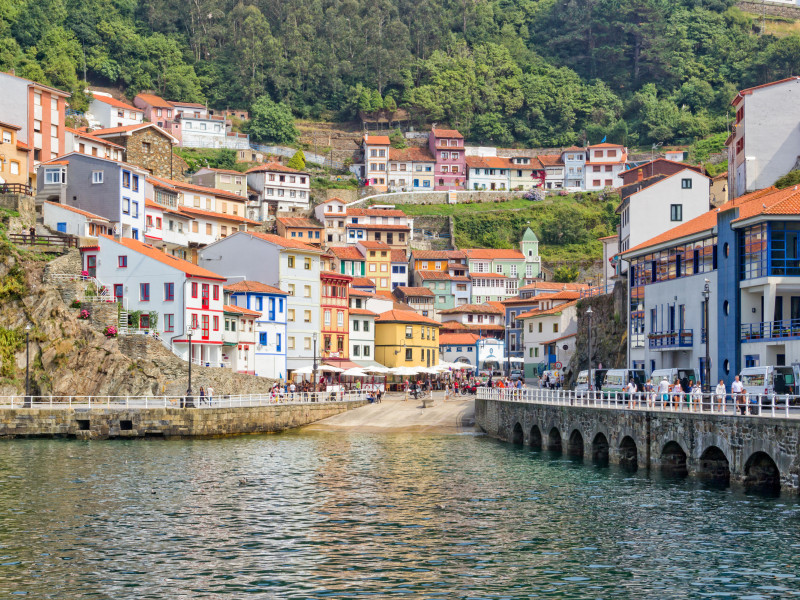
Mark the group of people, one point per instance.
(672, 395)
(551, 381)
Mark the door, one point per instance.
(117, 292)
(416, 183)
(61, 227)
(204, 295)
(205, 327)
(91, 266)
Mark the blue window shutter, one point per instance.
(61, 227)
(262, 339)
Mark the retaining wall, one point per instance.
(105, 423)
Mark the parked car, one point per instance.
(771, 382)
(617, 379)
(687, 377)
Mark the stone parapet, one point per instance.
(107, 423)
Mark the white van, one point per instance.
(769, 381)
(582, 382)
(687, 377)
(616, 380)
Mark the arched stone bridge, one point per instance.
(756, 452)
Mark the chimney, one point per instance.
(639, 175)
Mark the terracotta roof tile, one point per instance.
(189, 210)
(162, 257)
(413, 291)
(335, 275)
(153, 100)
(346, 253)
(551, 160)
(404, 316)
(375, 212)
(553, 286)
(376, 140)
(446, 133)
(474, 309)
(493, 254)
(238, 310)
(489, 162)
(371, 245)
(92, 137)
(437, 254)
(116, 103)
(362, 282)
(254, 286)
(299, 222)
(399, 256)
(85, 213)
(201, 189)
(113, 131)
(488, 276)
(458, 339)
(543, 312)
(435, 275)
(412, 154)
(282, 241)
(362, 311)
(274, 166)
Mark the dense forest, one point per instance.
(538, 72)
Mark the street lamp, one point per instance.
(707, 366)
(508, 349)
(27, 402)
(189, 401)
(314, 367)
(589, 346)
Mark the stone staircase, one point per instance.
(122, 323)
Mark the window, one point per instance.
(307, 264)
(355, 324)
(122, 261)
(169, 292)
(194, 289)
(686, 184)
(291, 289)
(409, 332)
(126, 179)
(340, 318)
(135, 185)
(291, 343)
(290, 314)
(169, 323)
(356, 350)
(409, 355)
(144, 292)
(291, 261)
(146, 147)
(135, 209)
(366, 327)
(307, 291)
(126, 206)
(307, 316)
(555, 327)
(676, 212)
(262, 338)
(97, 177)
(327, 318)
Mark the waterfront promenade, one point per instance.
(759, 450)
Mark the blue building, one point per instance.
(270, 351)
(748, 253)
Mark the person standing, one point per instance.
(292, 390)
(202, 396)
(210, 393)
(720, 392)
(663, 391)
(737, 390)
(631, 389)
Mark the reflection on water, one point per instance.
(321, 515)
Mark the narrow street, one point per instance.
(396, 414)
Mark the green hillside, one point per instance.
(535, 72)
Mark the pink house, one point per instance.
(161, 112)
(447, 146)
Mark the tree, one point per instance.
(565, 274)
(790, 179)
(298, 161)
(272, 122)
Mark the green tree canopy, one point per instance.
(271, 122)
(298, 161)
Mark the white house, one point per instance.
(279, 189)
(333, 215)
(652, 206)
(173, 292)
(605, 163)
(290, 265)
(765, 143)
(74, 221)
(86, 143)
(542, 329)
(110, 112)
(239, 339)
(488, 172)
(362, 334)
(399, 268)
(459, 347)
(167, 228)
(270, 325)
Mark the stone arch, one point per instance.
(536, 438)
(554, 440)
(714, 466)
(628, 454)
(517, 437)
(761, 474)
(600, 449)
(575, 444)
(673, 460)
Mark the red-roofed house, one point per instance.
(411, 169)
(404, 338)
(74, 221)
(166, 292)
(278, 189)
(554, 170)
(333, 215)
(541, 329)
(386, 225)
(764, 144)
(301, 228)
(147, 146)
(378, 259)
(223, 179)
(76, 140)
(14, 170)
(447, 146)
(498, 273)
(110, 112)
(604, 165)
(375, 152)
(488, 172)
(335, 322)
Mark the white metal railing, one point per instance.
(102, 292)
(224, 401)
(735, 405)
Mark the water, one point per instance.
(341, 515)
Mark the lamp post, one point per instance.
(189, 401)
(508, 350)
(27, 402)
(589, 346)
(707, 366)
(314, 365)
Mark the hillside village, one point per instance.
(247, 270)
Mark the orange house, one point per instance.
(335, 321)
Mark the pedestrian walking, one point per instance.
(697, 397)
(720, 393)
(737, 390)
(210, 394)
(202, 396)
(677, 394)
(649, 391)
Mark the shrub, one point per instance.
(75, 303)
(110, 331)
(84, 314)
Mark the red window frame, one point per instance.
(169, 322)
(169, 292)
(194, 289)
(122, 261)
(204, 331)
(144, 292)
(216, 292)
(204, 295)
(216, 323)
(158, 222)
(194, 321)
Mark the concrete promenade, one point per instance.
(395, 414)
(757, 451)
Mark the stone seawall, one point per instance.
(163, 423)
(751, 451)
(786, 11)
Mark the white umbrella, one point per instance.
(354, 372)
(304, 370)
(377, 369)
(330, 369)
(404, 370)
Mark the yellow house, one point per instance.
(13, 156)
(404, 338)
(378, 262)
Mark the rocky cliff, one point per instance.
(609, 332)
(71, 356)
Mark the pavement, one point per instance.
(395, 414)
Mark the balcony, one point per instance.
(770, 330)
(670, 340)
